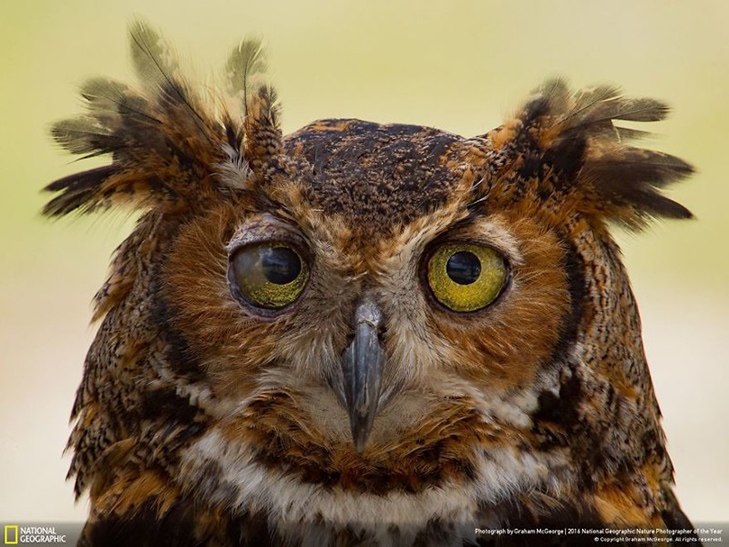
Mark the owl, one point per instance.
(363, 334)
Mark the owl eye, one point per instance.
(465, 277)
(270, 276)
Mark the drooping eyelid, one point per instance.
(268, 228)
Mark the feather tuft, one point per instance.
(169, 149)
(572, 137)
(152, 57)
(245, 68)
(77, 191)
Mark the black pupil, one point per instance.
(463, 267)
(280, 265)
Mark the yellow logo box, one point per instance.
(10, 535)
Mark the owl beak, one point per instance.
(362, 367)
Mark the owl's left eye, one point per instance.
(270, 276)
(466, 277)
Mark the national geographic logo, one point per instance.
(10, 536)
(32, 535)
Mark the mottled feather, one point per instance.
(203, 420)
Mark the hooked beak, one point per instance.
(362, 367)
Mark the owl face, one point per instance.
(365, 329)
(460, 296)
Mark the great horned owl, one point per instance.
(362, 334)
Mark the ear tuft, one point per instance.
(170, 150)
(77, 191)
(264, 140)
(629, 181)
(152, 58)
(245, 69)
(579, 156)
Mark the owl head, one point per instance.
(365, 329)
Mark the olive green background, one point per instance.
(460, 66)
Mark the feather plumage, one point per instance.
(575, 133)
(167, 146)
(203, 419)
(245, 68)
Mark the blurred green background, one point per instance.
(460, 66)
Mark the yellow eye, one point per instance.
(269, 275)
(465, 277)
